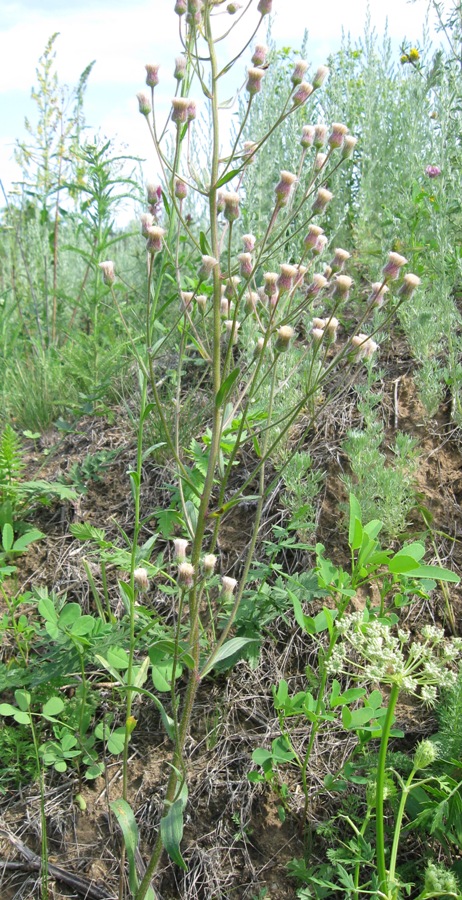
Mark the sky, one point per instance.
(122, 35)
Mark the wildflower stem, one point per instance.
(380, 789)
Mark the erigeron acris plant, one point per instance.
(245, 324)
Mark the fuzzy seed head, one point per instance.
(337, 135)
(349, 145)
(342, 287)
(339, 260)
(365, 347)
(246, 265)
(107, 269)
(180, 68)
(320, 161)
(231, 201)
(310, 239)
(229, 585)
(391, 270)
(208, 563)
(286, 278)
(410, 284)
(140, 578)
(207, 265)
(147, 220)
(284, 336)
(284, 187)
(186, 575)
(320, 245)
(248, 242)
(318, 283)
(377, 295)
(323, 197)
(231, 287)
(320, 135)
(154, 234)
(201, 301)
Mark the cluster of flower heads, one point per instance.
(371, 650)
(186, 571)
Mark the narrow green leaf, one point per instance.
(171, 832)
(355, 529)
(226, 387)
(127, 822)
(7, 537)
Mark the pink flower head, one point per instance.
(144, 104)
(180, 110)
(180, 189)
(254, 80)
(307, 137)
(320, 76)
(180, 7)
(107, 268)
(323, 197)
(231, 201)
(259, 55)
(152, 75)
(304, 90)
(299, 72)
(433, 171)
(264, 7)
(154, 234)
(310, 239)
(180, 68)
(283, 189)
(391, 270)
(337, 135)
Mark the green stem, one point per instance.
(380, 790)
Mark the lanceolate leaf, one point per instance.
(171, 831)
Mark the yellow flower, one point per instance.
(414, 54)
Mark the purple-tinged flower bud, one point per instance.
(319, 323)
(342, 287)
(233, 8)
(392, 269)
(318, 284)
(207, 265)
(299, 72)
(337, 135)
(141, 580)
(314, 231)
(224, 307)
(254, 80)
(180, 110)
(304, 90)
(320, 135)
(307, 137)
(249, 150)
(339, 260)
(323, 197)
(364, 346)
(231, 199)
(186, 297)
(320, 245)
(208, 563)
(232, 285)
(246, 265)
(192, 110)
(180, 68)
(180, 7)
(286, 278)
(327, 272)
(232, 329)
(284, 336)
(180, 189)
(248, 242)
(320, 161)
(107, 269)
(154, 193)
(271, 280)
(283, 189)
(186, 575)
(410, 284)
(179, 549)
(144, 104)
(301, 272)
(320, 76)
(259, 55)
(152, 75)
(154, 243)
(349, 145)
(147, 220)
(201, 301)
(228, 585)
(377, 295)
(220, 201)
(433, 171)
(264, 7)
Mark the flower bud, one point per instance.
(314, 231)
(201, 301)
(323, 197)
(224, 307)
(320, 76)
(391, 270)
(349, 145)
(186, 297)
(152, 75)
(154, 193)
(232, 329)
(207, 265)
(107, 268)
(285, 280)
(140, 578)
(186, 575)
(248, 242)
(179, 549)
(232, 285)
(318, 284)
(365, 347)
(284, 336)
(251, 301)
(180, 110)
(299, 72)
(327, 272)
(231, 200)
(300, 275)
(320, 135)
(320, 245)
(144, 104)
(249, 150)
(180, 68)
(246, 265)
(233, 8)
(337, 135)
(180, 7)
(425, 754)
(220, 201)
(180, 189)
(191, 112)
(271, 280)
(254, 80)
(208, 563)
(264, 7)
(339, 260)
(317, 334)
(259, 55)
(409, 285)
(320, 161)
(319, 323)
(154, 234)
(147, 220)
(307, 137)
(304, 90)
(377, 295)
(433, 171)
(331, 329)
(283, 189)
(342, 287)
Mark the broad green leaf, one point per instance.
(7, 537)
(6, 709)
(24, 540)
(228, 649)
(22, 718)
(355, 529)
(84, 625)
(435, 572)
(117, 657)
(116, 741)
(23, 699)
(69, 614)
(171, 832)
(53, 707)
